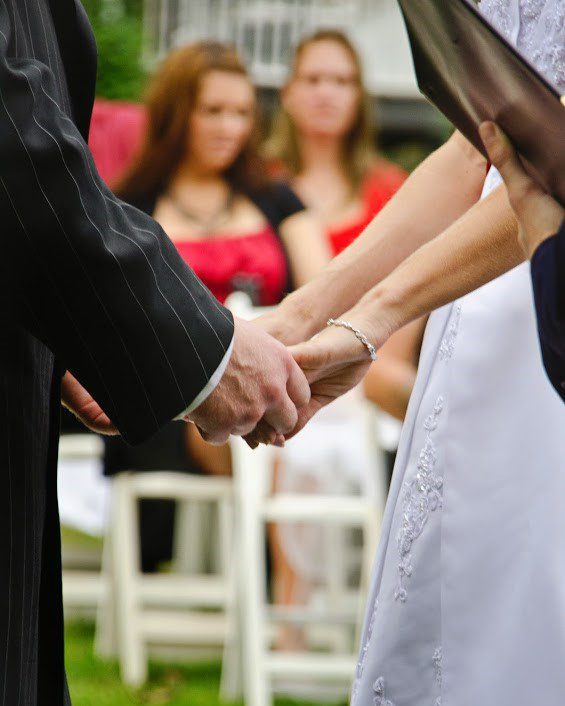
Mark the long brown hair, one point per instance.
(359, 153)
(170, 99)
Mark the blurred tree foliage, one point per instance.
(118, 28)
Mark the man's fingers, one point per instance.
(104, 425)
(283, 416)
(262, 434)
(504, 157)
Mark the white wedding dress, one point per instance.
(467, 603)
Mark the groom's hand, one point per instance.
(261, 382)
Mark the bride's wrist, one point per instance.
(355, 344)
(377, 316)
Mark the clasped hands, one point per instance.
(270, 391)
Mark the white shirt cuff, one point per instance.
(210, 385)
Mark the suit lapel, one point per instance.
(78, 51)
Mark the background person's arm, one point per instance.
(306, 245)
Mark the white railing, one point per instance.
(265, 31)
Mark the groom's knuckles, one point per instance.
(272, 391)
(247, 415)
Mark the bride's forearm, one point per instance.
(438, 192)
(477, 248)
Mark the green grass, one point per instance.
(96, 682)
(75, 538)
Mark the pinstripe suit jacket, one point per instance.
(86, 283)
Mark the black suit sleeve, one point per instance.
(99, 283)
(548, 278)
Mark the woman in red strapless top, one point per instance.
(254, 263)
(378, 186)
(322, 140)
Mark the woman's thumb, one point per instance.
(309, 357)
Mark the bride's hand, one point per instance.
(334, 362)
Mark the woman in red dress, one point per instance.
(323, 139)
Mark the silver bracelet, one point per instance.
(359, 335)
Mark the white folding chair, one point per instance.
(254, 507)
(173, 609)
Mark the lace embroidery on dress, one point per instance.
(448, 343)
(537, 29)
(437, 668)
(498, 13)
(422, 496)
(550, 58)
(380, 697)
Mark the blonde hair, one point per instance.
(281, 147)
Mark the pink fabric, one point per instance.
(116, 132)
(380, 185)
(220, 262)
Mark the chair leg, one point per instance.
(336, 539)
(189, 537)
(225, 538)
(106, 639)
(125, 569)
(252, 581)
(231, 685)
